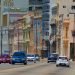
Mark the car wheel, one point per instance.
(13, 63)
(9, 62)
(47, 61)
(57, 65)
(25, 63)
(34, 61)
(68, 66)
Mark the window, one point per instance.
(38, 8)
(46, 8)
(47, 33)
(40, 0)
(54, 10)
(67, 15)
(46, 1)
(73, 0)
(64, 6)
(30, 8)
(46, 17)
(73, 7)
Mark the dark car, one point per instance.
(52, 57)
(19, 57)
(5, 59)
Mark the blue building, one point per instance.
(35, 5)
(46, 18)
(46, 26)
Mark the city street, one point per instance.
(39, 68)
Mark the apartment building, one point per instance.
(3, 26)
(8, 8)
(65, 19)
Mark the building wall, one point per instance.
(5, 5)
(30, 27)
(65, 9)
(17, 44)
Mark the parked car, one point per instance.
(63, 61)
(52, 57)
(37, 57)
(19, 57)
(31, 57)
(5, 59)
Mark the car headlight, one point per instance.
(34, 58)
(23, 59)
(13, 58)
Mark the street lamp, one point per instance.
(36, 37)
(1, 40)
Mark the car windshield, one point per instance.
(37, 55)
(29, 55)
(63, 58)
(19, 54)
(53, 55)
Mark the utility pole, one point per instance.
(36, 37)
(18, 38)
(1, 40)
(61, 35)
(57, 26)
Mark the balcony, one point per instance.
(66, 22)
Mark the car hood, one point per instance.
(30, 57)
(18, 57)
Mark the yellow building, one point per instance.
(32, 42)
(27, 30)
(65, 38)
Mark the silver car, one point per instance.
(31, 57)
(62, 61)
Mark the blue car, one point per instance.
(19, 57)
(52, 57)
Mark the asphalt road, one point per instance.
(38, 69)
(9, 66)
